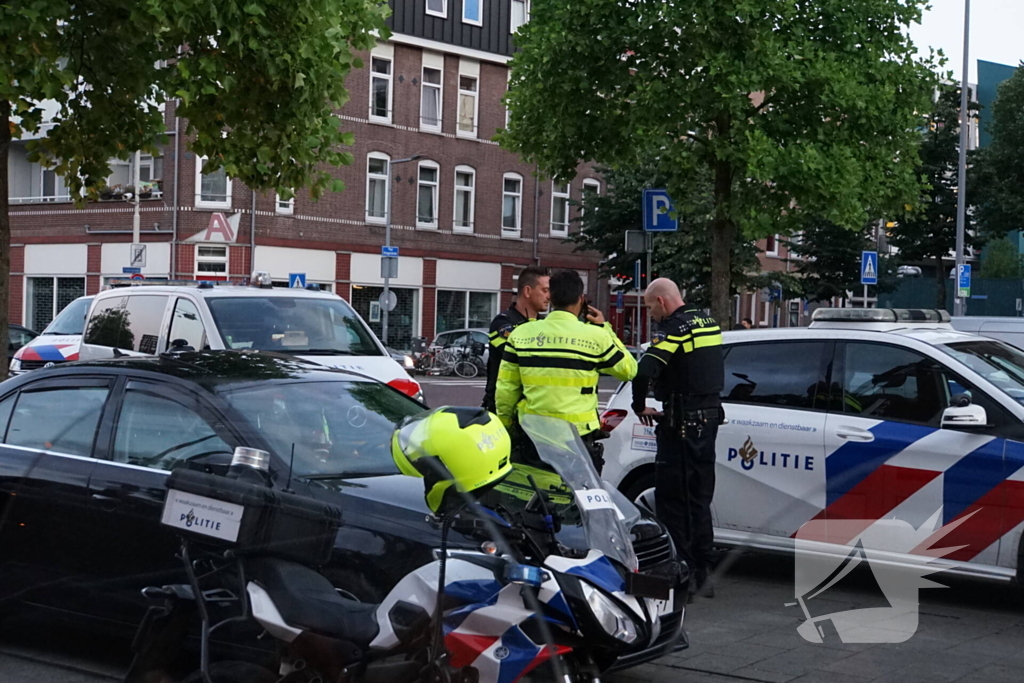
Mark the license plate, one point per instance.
(659, 608)
(202, 515)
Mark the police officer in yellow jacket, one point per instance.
(686, 365)
(552, 366)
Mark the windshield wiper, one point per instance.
(318, 352)
(344, 475)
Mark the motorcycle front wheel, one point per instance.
(234, 672)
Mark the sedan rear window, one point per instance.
(336, 428)
(304, 326)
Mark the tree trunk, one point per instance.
(723, 234)
(940, 282)
(5, 231)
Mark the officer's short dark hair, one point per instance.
(530, 276)
(566, 288)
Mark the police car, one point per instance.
(870, 415)
(58, 343)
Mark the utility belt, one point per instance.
(677, 417)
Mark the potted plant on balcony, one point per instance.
(106, 192)
(117, 192)
(146, 188)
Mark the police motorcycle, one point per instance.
(522, 600)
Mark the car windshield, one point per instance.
(72, 319)
(304, 326)
(999, 363)
(338, 428)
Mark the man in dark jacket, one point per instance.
(532, 298)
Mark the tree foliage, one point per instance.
(683, 256)
(828, 258)
(928, 233)
(1003, 261)
(995, 187)
(257, 80)
(781, 108)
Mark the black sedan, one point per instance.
(87, 448)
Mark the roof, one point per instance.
(935, 334)
(224, 291)
(213, 370)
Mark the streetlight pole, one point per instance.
(136, 237)
(961, 192)
(385, 302)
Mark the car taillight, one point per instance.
(409, 387)
(611, 419)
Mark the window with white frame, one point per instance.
(559, 208)
(520, 14)
(591, 189)
(512, 204)
(47, 296)
(469, 82)
(426, 197)
(508, 85)
(437, 8)
(211, 261)
(473, 12)
(377, 187)
(771, 245)
(213, 190)
(51, 186)
(284, 207)
(431, 92)
(380, 85)
(465, 198)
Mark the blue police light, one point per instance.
(205, 284)
(525, 575)
(313, 287)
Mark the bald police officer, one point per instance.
(685, 363)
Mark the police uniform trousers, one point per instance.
(684, 488)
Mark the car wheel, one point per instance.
(234, 672)
(641, 491)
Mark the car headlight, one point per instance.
(408, 362)
(613, 620)
(15, 365)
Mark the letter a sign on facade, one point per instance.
(221, 228)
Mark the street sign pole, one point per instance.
(636, 327)
(387, 243)
(961, 194)
(650, 251)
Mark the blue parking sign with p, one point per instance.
(657, 212)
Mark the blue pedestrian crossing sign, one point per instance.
(869, 267)
(657, 212)
(297, 280)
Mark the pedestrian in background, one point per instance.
(532, 298)
(747, 323)
(552, 366)
(685, 363)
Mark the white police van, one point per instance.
(310, 324)
(868, 414)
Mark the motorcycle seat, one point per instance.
(307, 600)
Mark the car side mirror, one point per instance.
(964, 417)
(214, 463)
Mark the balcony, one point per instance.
(66, 199)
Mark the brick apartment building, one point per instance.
(466, 216)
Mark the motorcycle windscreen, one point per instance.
(559, 445)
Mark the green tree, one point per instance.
(683, 256)
(828, 260)
(780, 107)
(998, 169)
(1003, 261)
(257, 82)
(928, 233)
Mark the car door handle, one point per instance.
(854, 434)
(100, 496)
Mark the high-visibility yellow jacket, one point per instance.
(552, 366)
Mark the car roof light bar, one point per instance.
(880, 315)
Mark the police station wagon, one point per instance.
(868, 414)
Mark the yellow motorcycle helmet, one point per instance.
(467, 447)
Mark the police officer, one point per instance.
(532, 298)
(685, 363)
(552, 366)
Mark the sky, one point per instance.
(996, 29)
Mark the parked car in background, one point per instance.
(18, 336)
(1003, 328)
(58, 343)
(464, 337)
(318, 326)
